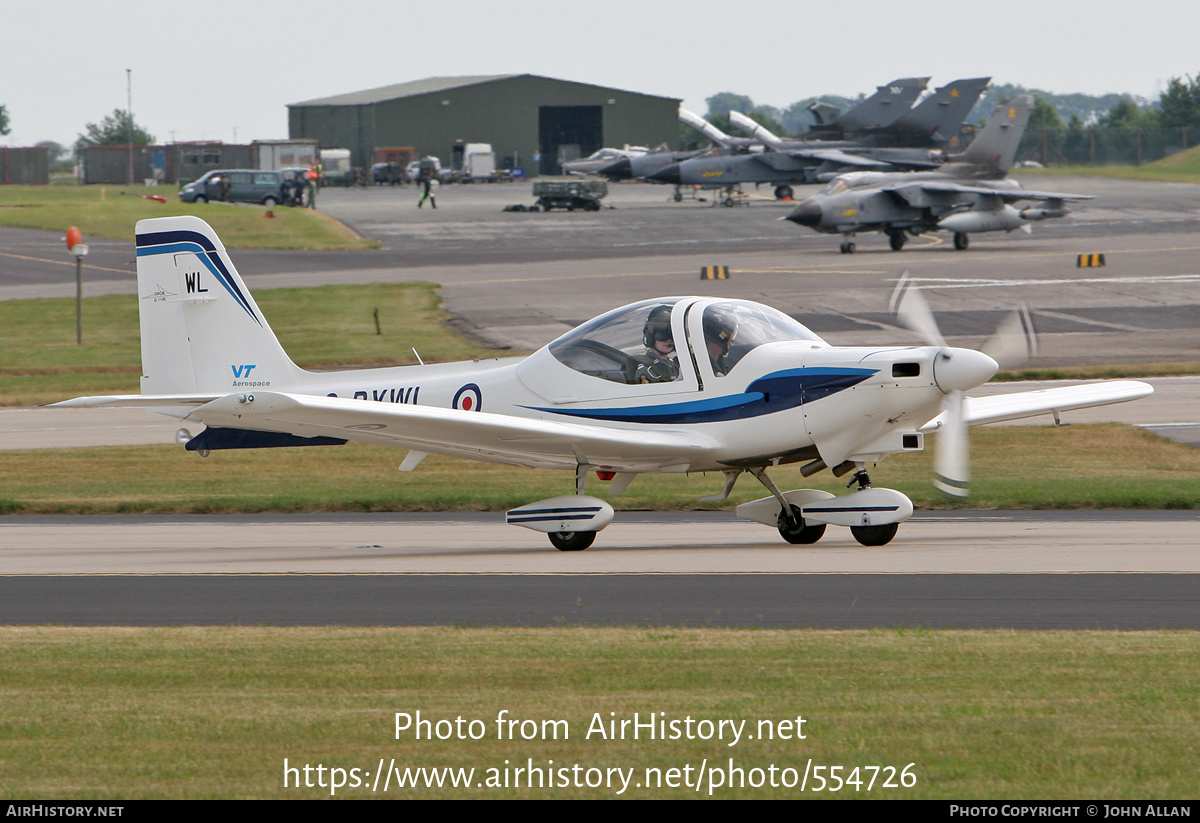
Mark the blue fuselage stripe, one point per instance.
(827, 509)
(775, 392)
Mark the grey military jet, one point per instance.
(601, 158)
(971, 193)
(879, 110)
(642, 166)
(911, 140)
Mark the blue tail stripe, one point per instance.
(171, 242)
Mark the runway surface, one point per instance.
(1043, 570)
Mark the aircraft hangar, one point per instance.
(532, 122)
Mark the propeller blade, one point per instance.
(951, 461)
(911, 309)
(1014, 341)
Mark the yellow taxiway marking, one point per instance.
(978, 283)
(58, 262)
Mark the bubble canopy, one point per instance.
(604, 347)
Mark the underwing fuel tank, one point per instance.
(1003, 219)
(1043, 214)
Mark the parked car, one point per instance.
(236, 186)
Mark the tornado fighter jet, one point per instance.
(880, 110)
(969, 194)
(911, 140)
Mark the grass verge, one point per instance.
(112, 211)
(1016, 467)
(1183, 167)
(323, 327)
(104, 713)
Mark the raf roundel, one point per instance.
(469, 398)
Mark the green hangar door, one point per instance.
(566, 133)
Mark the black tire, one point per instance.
(897, 241)
(961, 240)
(534, 207)
(678, 198)
(875, 535)
(848, 247)
(571, 541)
(200, 198)
(783, 192)
(801, 533)
(728, 202)
(270, 202)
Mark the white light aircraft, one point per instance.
(677, 384)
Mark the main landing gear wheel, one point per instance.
(797, 532)
(572, 541)
(848, 247)
(783, 192)
(897, 240)
(961, 240)
(875, 535)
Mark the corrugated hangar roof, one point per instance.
(417, 87)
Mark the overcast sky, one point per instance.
(225, 70)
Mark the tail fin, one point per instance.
(939, 116)
(760, 133)
(994, 147)
(887, 105)
(201, 329)
(706, 128)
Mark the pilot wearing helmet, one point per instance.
(720, 329)
(659, 364)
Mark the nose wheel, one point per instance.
(572, 541)
(875, 535)
(848, 247)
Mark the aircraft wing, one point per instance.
(1001, 407)
(840, 158)
(476, 435)
(1007, 195)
